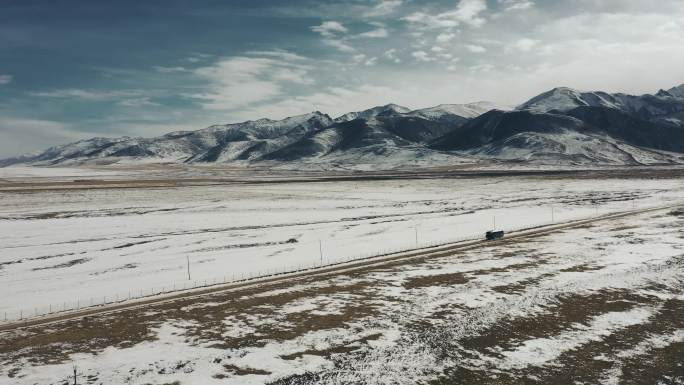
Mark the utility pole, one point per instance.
(188, 258)
(494, 219)
(75, 381)
(416, 229)
(552, 215)
(320, 250)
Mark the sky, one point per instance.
(77, 69)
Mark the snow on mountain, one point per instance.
(559, 126)
(647, 106)
(469, 111)
(571, 147)
(586, 135)
(239, 141)
(386, 110)
(565, 99)
(677, 91)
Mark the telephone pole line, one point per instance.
(320, 250)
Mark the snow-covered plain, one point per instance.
(596, 304)
(62, 249)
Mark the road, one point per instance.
(322, 271)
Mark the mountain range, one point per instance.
(560, 127)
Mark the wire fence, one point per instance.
(142, 294)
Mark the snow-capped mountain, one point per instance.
(563, 99)
(469, 111)
(561, 126)
(386, 110)
(677, 91)
(585, 135)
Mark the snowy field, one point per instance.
(599, 304)
(62, 249)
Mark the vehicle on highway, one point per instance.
(494, 234)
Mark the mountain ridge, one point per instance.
(559, 126)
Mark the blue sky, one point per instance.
(77, 69)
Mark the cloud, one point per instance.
(332, 100)
(422, 56)
(466, 12)
(391, 54)
(239, 81)
(482, 68)
(379, 32)
(475, 48)
(340, 45)
(138, 102)
(371, 61)
(22, 135)
(333, 35)
(87, 94)
(168, 70)
(330, 29)
(516, 5)
(5, 79)
(522, 45)
(198, 57)
(280, 54)
(445, 37)
(383, 8)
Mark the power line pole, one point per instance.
(416, 229)
(320, 250)
(188, 258)
(552, 215)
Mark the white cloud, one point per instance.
(239, 81)
(340, 45)
(523, 45)
(437, 49)
(281, 54)
(330, 28)
(359, 58)
(383, 8)
(5, 79)
(379, 32)
(516, 5)
(466, 12)
(391, 54)
(371, 61)
(475, 48)
(334, 101)
(138, 102)
(445, 37)
(22, 135)
(422, 56)
(198, 57)
(483, 68)
(167, 70)
(87, 94)
(333, 34)
(126, 98)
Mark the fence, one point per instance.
(196, 285)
